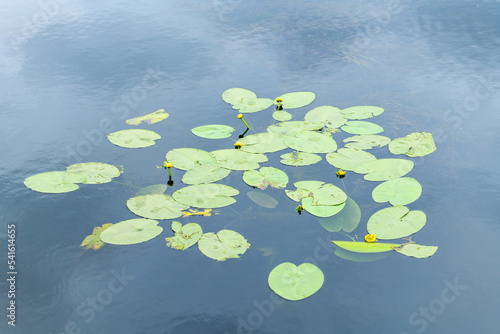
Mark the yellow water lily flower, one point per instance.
(370, 238)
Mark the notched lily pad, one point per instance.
(265, 142)
(185, 236)
(296, 99)
(157, 206)
(54, 182)
(226, 244)
(237, 95)
(205, 174)
(384, 169)
(133, 138)
(366, 142)
(311, 142)
(327, 116)
(362, 128)
(151, 118)
(271, 176)
(414, 145)
(206, 196)
(238, 159)
(95, 172)
(395, 222)
(295, 283)
(132, 231)
(253, 105)
(94, 240)
(299, 158)
(189, 158)
(348, 158)
(401, 191)
(213, 131)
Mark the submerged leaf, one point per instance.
(132, 231)
(414, 145)
(226, 244)
(95, 172)
(295, 283)
(152, 190)
(399, 191)
(395, 222)
(362, 128)
(151, 118)
(271, 176)
(54, 182)
(213, 131)
(262, 199)
(185, 236)
(208, 196)
(133, 138)
(158, 206)
(347, 219)
(321, 210)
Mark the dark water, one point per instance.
(71, 72)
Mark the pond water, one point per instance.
(72, 72)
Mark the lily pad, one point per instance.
(347, 219)
(322, 193)
(271, 176)
(395, 222)
(366, 247)
(152, 190)
(321, 210)
(265, 142)
(238, 159)
(295, 283)
(327, 116)
(189, 158)
(205, 174)
(236, 95)
(366, 142)
(54, 182)
(154, 117)
(361, 112)
(362, 128)
(399, 191)
(282, 116)
(133, 138)
(226, 244)
(158, 206)
(132, 231)
(290, 127)
(262, 199)
(299, 158)
(94, 240)
(384, 169)
(185, 236)
(414, 145)
(418, 251)
(213, 131)
(253, 105)
(296, 99)
(95, 172)
(206, 196)
(348, 158)
(310, 141)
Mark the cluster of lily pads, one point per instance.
(305, 139)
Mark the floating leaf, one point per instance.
(361, 112)
(347, 219)
(54, 182)
(414, 145)
(262, 199)
(158, 206)
(288, 128)
(236, 95)
(208, 196)
(271, 176)
(238, 159)
(310, 141)
(154, 117)
(360, 257)
(384, 169)
(399, 191)
(94, 240)
(95, 172)
(253, 105)
(152, 190)
(296, 99)
(132, 231)
(133, 138)
(321, 210)
(213, 131)
(298, 195)
(348, 158)
(189, 158)
(418, 251)
(299, 158)
(362, 128)
(295, 283)
(366, 142)
(205, 174)
(265, 142)
(226, 244)
(366, 247)
(282, 116)
(327, 116)
(323, 193)
(395, 222)
(185, 236)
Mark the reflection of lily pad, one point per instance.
(321, 210)
(205, 174)
(362, 128)
(366, 247)
(327, 116)
(384, 169)
(133, 138)
(188, 158)
(361, 112)
(310, 141)
(299, 158)
(226, 244)
(185, 236)
(236, 95)
(213, 131)
(418, 251)
(132, 231)
(366, 142)
(54, 182)
(395, 222)
(94, 240)
(295, 283)
(262, 199)
(399, 191)
(414, 145)
(206, 196)
(154, 117)
(152, 190)
(95, 172)
(348, 158)
(296, 99)
(347, 219)
(271, 176)
(158, 206)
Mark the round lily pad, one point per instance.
(185, 236)
(418, 251)
(205, 174)
(95, 172)
(322, 193)
(188, 158)
(295, 283)
(253, 105)
(282, 116)
(133, 138)
(271, 176)
(362, 128)
(290, 127)
(238, 159)
(132, 231)
(384, 169)
(296, 99)
(54, 182)
(399, 191)
(414, 145)
(366, 247)
(213, 131)
(348, 158)
(266, 142)
(395, 222)
(366, 142)
(327, 116)
(362, 112)
(310, 141)
(299, 158)
(235, 95)
(157, 206)
(226, 244)
(206, 196)
(262, 199)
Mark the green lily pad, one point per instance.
(133, 138)
(271, 176)
(348, 158)
(414, 145)
(327, 116)
(361, 112)
(262, 199)
(321, 210)
(366, 247)
(384, 169)
(185, 236)
(236, 95)
(189, 158)
(418, 251)
(132, 231)
(157, 206)
(298, 195)
(94, 240)
(399, 191)
(206, 196)
(95, 172)
(360, 257)
(265, 142)
(395, 222)
(154, 117)
(253, 105)
(226, 244)
(282, 116)
(366, 142)
(299, 158)
(347, 219)
(205, 174)
(54, 182)
(295, 283)
(322, 193)
(310, 141)
(152, 190)
(238, 159)
(296, 99)
(213, 131)
(362, 128)
(290, 127)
